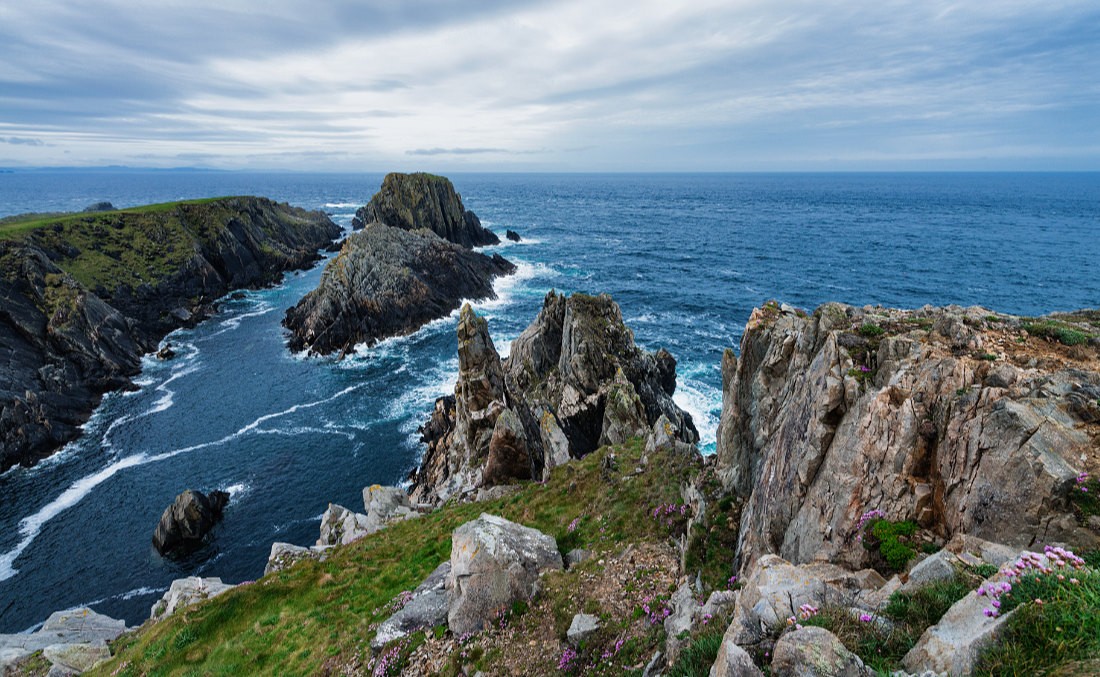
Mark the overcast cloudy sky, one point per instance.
(575, 85)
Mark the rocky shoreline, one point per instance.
(86, 296)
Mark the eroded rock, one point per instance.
(185, 591)
(185, 524)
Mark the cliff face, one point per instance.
(412, 201)
(385, 282)
(958, 419)
(574, 380)
(85, 296)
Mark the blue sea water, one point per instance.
(686, 256)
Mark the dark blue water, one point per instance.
(686, 256)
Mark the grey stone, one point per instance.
(936, 567)
(426, 608)
(285, 555)
(655, 665)
(385, 505)
(493, 493)
(185, 591)
(815, 652)
(582, 627)
(340, 526)
(77, 657)
(494, 563)
(681, 619)
(576, 556)
(733, 661)
(74, 626)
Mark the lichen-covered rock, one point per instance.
(414, 201)
(340, 526)
(73, 638)
(388, 282)
(495, 562)
(815, 652)
(76, 658)
(285, 555)
(426, 607)
(830, 415)
(574, 380)
(185, 524)
(185, 591)
(385, 505)
(733, 661)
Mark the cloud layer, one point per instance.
(553, 84)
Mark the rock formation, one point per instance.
(387, 282)
(414, 201)
(185, 524)
(83, 297)
(955, 418)
(72, 641)
(512, 235)
(185, 591)
(574, 380)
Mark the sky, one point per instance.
(551, 85)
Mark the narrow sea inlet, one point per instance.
(685, 256)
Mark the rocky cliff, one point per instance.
(386, 282)
(410, 264)
(84, 296)
(574, 381)
(412, 201)
(962, 420)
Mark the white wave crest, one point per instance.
(342, 205)
(30, 527)
(704, 403)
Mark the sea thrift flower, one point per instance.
(866, 618)
(566, 660)
(573, 525)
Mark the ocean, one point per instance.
(686, 256)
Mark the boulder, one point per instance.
(494, 563)
(285, 555)
(815, 652)
(425, 608)
(185, 524)
(680, 621)
(937, 567)
(340, 526)
(388, 282)
(512, 235)
(72, 637)
(829, 415)
(581, 628)
(733, 661)
(77, 658)
(415, 201)
(185, 591)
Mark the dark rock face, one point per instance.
(63, 342)
(413, 201)
(185, 523)
(512, 235)
(386, 282)
(574, 380)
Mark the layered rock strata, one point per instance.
(83, 297)
(574, 380)
(413, 201)
(387, 282)
(958, 419)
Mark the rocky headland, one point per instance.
(410, 263)
(86, 295)
(420, 200)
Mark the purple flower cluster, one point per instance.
(805, 612)
(1081, 479)
(656, 609)
(611, 652)
(398, 603)
(866, 517)
(573, 525)
(389, 661)
(567, 658)
(732, 581)
(669, 509)
(1054, 561)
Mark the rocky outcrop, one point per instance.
(82, 298)
(415, 201)
(494, 563)
(959, 419)
(340, 526)
(574, 380)
(512, 235)
(185, 591)
(387, 282)
(72, 641)
(185, 524)
(285, 555)
(815, 652)
(425, 607)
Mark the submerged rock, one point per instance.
(414, 201)
(185, 524)
(387, 282)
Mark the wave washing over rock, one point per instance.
(86, 296)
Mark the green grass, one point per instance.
(1056, 331)
(871, 330)
(696, 658)
(1085, 503)
(1063, 630)
(315, 614)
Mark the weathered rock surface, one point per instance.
(581, 628)
(75, 638)
(387, 282)
(815, 652)
(733, 661)
(414, 201)
(574, 380)
(184, 591)
(386, 504)
(185, 524)
(285, 555)
(426, 608)
(340, 526)
(65, 341)
(938, 415)
(495, 562)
